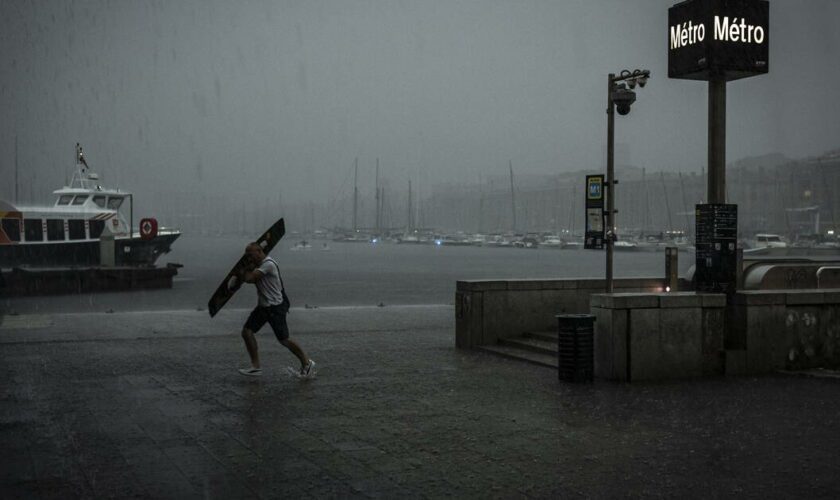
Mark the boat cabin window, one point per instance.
(80, 199)
(55, 229)
(99, 200)
(115, 202)
(33, 230)
(95, 227)
(12, 229)
(76, 229)
(64, 199)
(774, 239)
(761, 239)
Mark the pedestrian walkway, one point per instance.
(151, 405)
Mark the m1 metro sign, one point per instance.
(718, 39)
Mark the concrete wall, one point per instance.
(787, 276)
(670, 335)
(487, 310)
(787, 329)
(657, 336)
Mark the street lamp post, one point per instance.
(618, 97)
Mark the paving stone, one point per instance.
(393, 413)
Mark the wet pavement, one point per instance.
(149, 404)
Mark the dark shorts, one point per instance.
(274, 315)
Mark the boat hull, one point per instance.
(128, 252)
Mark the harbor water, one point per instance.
(349, 274)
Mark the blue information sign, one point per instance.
(594, 236)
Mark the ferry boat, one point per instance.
(68, 232)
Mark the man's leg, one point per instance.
(296, 350)
(251, 345)
(278, 323)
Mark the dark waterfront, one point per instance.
(350, 274)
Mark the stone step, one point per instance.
(521, 355)
(549, 335)
(533, 344)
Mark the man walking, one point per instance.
(272, 306)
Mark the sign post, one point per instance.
(715, 254)
(717, 41)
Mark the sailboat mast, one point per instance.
(382, 210)
(16, 170)
(557, 205)
(685, 208)
(356, 195)
(667, 204)
(646, 217)
(512, 195)
(378, 200)
(409, 207)
(480, 204)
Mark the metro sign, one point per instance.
(711, 39)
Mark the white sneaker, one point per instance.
(308, 370)
(251, 372)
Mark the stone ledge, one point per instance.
(680, 299)
(760, 297)
(804, 297)
(831, 296)
(583, 284)
(480, 285)
(624, 300)
(641, 300)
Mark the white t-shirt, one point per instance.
(269, 286)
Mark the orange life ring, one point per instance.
(148, 228)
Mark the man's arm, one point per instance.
(251, 276)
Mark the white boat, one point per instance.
(624, 246)
(767, 240)
(301, 245)
(410, 239)
(68, 232)
(552, 242)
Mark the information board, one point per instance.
(715, 247)
(594, 236)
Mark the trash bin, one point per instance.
(576, 347)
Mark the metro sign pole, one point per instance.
(717, 41)
(716, 158)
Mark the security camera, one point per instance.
(623, 98)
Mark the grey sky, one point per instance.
(268, 96)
